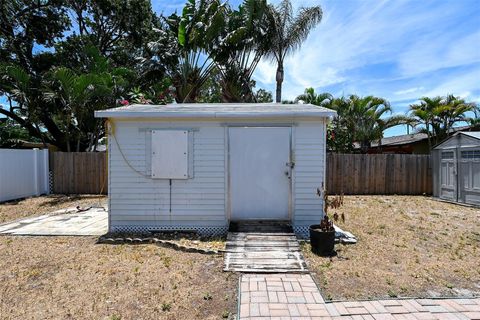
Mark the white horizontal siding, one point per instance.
(309, 152)
(138, 200)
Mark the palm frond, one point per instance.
(301, 26)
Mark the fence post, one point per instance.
(35, 171)
(46, 171)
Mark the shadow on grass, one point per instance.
(58, 199)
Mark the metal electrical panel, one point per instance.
(170, 154)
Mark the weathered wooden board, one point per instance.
(263, 252)
(378, 174)
(79, 172)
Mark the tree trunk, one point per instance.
(364, 146)
(279, 79)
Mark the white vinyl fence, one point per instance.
(23, 173)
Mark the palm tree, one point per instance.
(438, 115)
(318, 99)
(368, 119)
(185, 44)
(78, 95)
(474, 121)
(288, 32)
(424, 113)
(365, 118)
(455, 110)
(240, 49)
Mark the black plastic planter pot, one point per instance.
(322, 243)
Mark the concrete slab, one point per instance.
(93, 222)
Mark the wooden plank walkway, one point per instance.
(264, 252)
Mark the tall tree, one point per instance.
(339, 135)
(369, 117)
(37, 37)
(288, 33)
(424, 113)
(79, 95)
(25, 25)
(263, 96)
(437, 116)
(358, 119)
(184, 44)
(13, 135)
(240, 48)
(319, 99)
(119, 29)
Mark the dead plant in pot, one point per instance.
(322, 236)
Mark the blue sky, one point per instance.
(399, 50)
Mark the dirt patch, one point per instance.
(408, 246)
(74, 278)
(29, 207)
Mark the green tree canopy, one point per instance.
(60, 60)
(437, 116)
(359, 119)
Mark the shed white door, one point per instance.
(469, 176)
(448, 175)
(259, 173)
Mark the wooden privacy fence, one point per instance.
(79, 172)
(379, 174)
(86, 172)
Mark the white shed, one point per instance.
(200, 166)
(456, 168)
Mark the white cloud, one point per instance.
(266, 72)
(426, 55)
(462, 86)
(355, 38)
(398, 49)
(406, 91)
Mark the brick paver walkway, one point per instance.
(296, 296)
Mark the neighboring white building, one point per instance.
(200, 166)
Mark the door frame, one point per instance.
(453, 161)
(227, 164)
(460, 182)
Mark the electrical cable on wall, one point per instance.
(112, 133)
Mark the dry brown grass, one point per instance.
(29, 207)
(74, 278)
(408, 246)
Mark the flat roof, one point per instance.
(217, 110)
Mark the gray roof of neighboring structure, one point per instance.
(414, 137)
(217, 110)
(463, 142)
(402, 139)
(475, 135)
